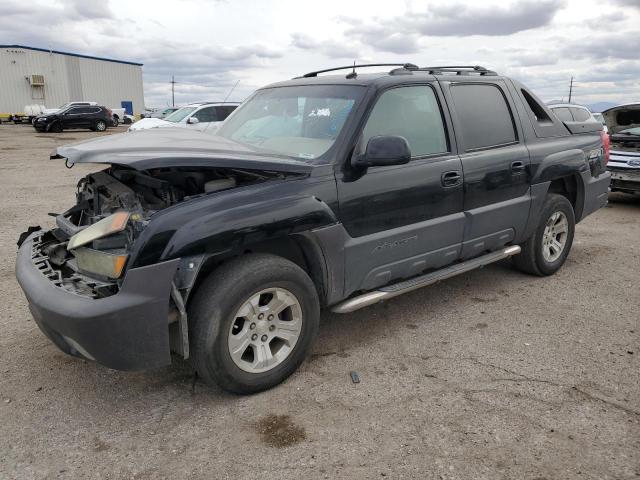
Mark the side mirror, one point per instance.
(192, 120)
(384, 150)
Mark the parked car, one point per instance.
(92, 117)
(196, 116)
(117, 115)
(599, 117)
(571, 112)
(65, 106)
(318, 192)
(623, 122)
(161, 113)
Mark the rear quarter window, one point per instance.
(563, 114)
(580, 114)
(484, 116)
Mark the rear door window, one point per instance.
(224, 111)
(563, 114)
(484, 116)
(207, 114)
(580, 114)
(410, 112)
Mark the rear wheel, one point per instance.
(547, 249)
(100, 126)
(252, 322)
(56, 127)
(116, 122)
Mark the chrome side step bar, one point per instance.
(390, 291)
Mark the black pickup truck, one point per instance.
(325, 191)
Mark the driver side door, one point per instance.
(404, 219)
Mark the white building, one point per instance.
(38, 76)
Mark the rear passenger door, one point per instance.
(495, 162)
(403, 219)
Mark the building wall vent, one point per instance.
(36, 80)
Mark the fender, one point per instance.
(226, 222)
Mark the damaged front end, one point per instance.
(623, 123)
(87, 288)
(88, 251)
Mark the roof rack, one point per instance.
(457, 69)
(404, 65)
(405, 68)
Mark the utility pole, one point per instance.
(173, 91)
(570, 89)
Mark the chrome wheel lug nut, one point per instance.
(264, 338)
(254, 336)
(270, 317)
(261, 316)
(252, 326)
(272, 328)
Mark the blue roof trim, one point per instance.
(71, 54)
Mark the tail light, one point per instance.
(109, 112)
(605, 145)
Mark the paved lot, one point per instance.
(490, 375)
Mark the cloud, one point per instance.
(628, 3)
(621, 46)
(88, 9)
(463, 20)
(604, 22)
(329, 48)
(534, 59)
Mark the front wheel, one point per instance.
(547, 249)
(252, 323)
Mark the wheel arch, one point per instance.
(298, 249)
(572, 187)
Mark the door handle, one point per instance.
(518, 166)
(452, 178)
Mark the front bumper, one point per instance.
(126, 331)
(625, 179)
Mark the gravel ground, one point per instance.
(490, 375)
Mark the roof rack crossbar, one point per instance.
(408, 66)
(458, 69)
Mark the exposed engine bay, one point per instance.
(125, 199)
(117, 188)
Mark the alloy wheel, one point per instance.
(265, 330)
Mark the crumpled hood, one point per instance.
(622, 117)
(174, 147)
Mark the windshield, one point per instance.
(179, 114)
(298, 121)
(630, 131)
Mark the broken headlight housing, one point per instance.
(108, 264)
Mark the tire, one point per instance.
(116, 122)
(100, 126)
(214, 316)
(56, 127)
(539, 254)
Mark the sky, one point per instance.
(212, 46)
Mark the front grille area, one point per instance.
(70, 281)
